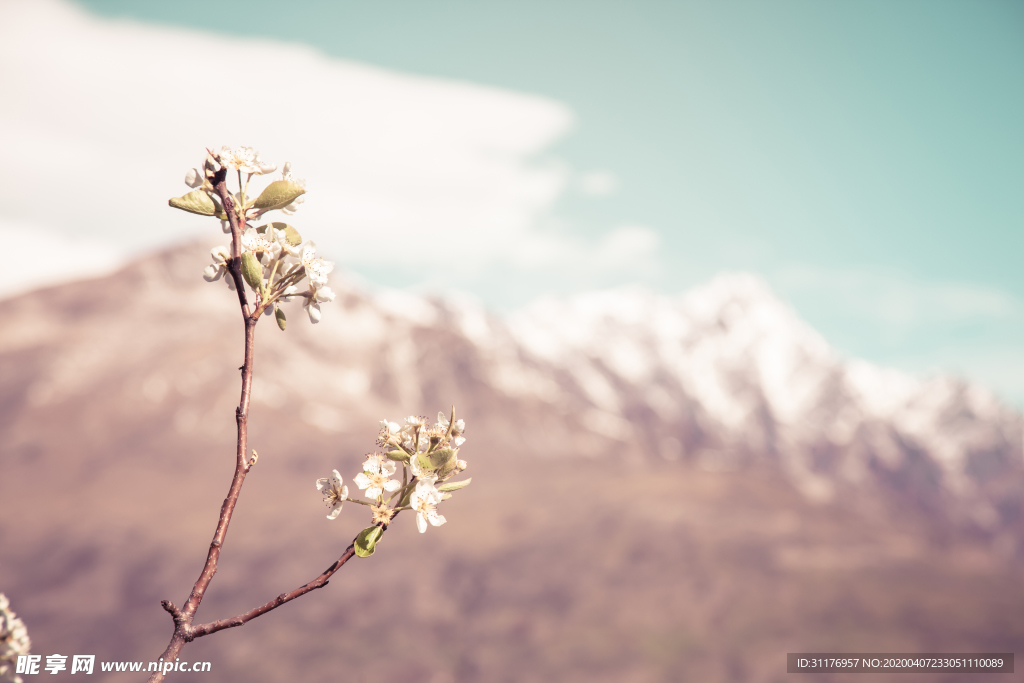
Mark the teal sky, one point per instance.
(865, 158)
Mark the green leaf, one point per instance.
(366, 541)
(454, 486)
(252, 271)
(441, 457)
(400, 456)
(278, 194)
(196, 201)
(282, 322)
(290, 233)
(448, 469)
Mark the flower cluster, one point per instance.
(275, 260)
(14, 641)
(429, 458)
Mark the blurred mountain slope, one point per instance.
(663, 488)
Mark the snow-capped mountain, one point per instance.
(728, 374)
(724, 376)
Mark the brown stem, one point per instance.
(183, 631)
(318, 582)
(238, 620)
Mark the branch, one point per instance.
(220, 186)
(318, 582)
(183, 631)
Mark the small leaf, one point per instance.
(423, 460)
(454, 485)
(440, 458)
(290, 233)
(252, 271)
(282, 322)
(366, 541)
(196, 201)
(400, 456)
(278, 194)
(448, 469)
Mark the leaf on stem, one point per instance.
(282, 322)
(454, 485)
(278, 194)
(366, 541)
(437, 459)
(399, 455)
(290, 233)
(196, 201)
(252, 271)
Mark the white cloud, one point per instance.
(627, 249)
(597, 183)
(51, 259)
(917, 325)
(101, 119)
(899, 301)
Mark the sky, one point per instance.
(865, 159)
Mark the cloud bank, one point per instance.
(102, 118)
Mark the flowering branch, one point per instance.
(272, 260)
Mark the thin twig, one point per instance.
(183, 631)
(318, 582)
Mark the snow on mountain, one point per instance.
(724, 376)
(727, 374)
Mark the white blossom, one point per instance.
(194, 177)
(423, 474)
(376, 476)
(281, 237)
(335, 493)
(290, 292)
(14, 641)
(244, 159)
(286, 174)
(259, 243)
(382, 514)
(316, 267)
(314, 296)
(389, 433)
(424, 502)
(219, 267)
(457, 429)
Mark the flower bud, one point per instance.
(194, 178)
(461, 465)
(267, 167)
(225, 226)
(252, 271)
